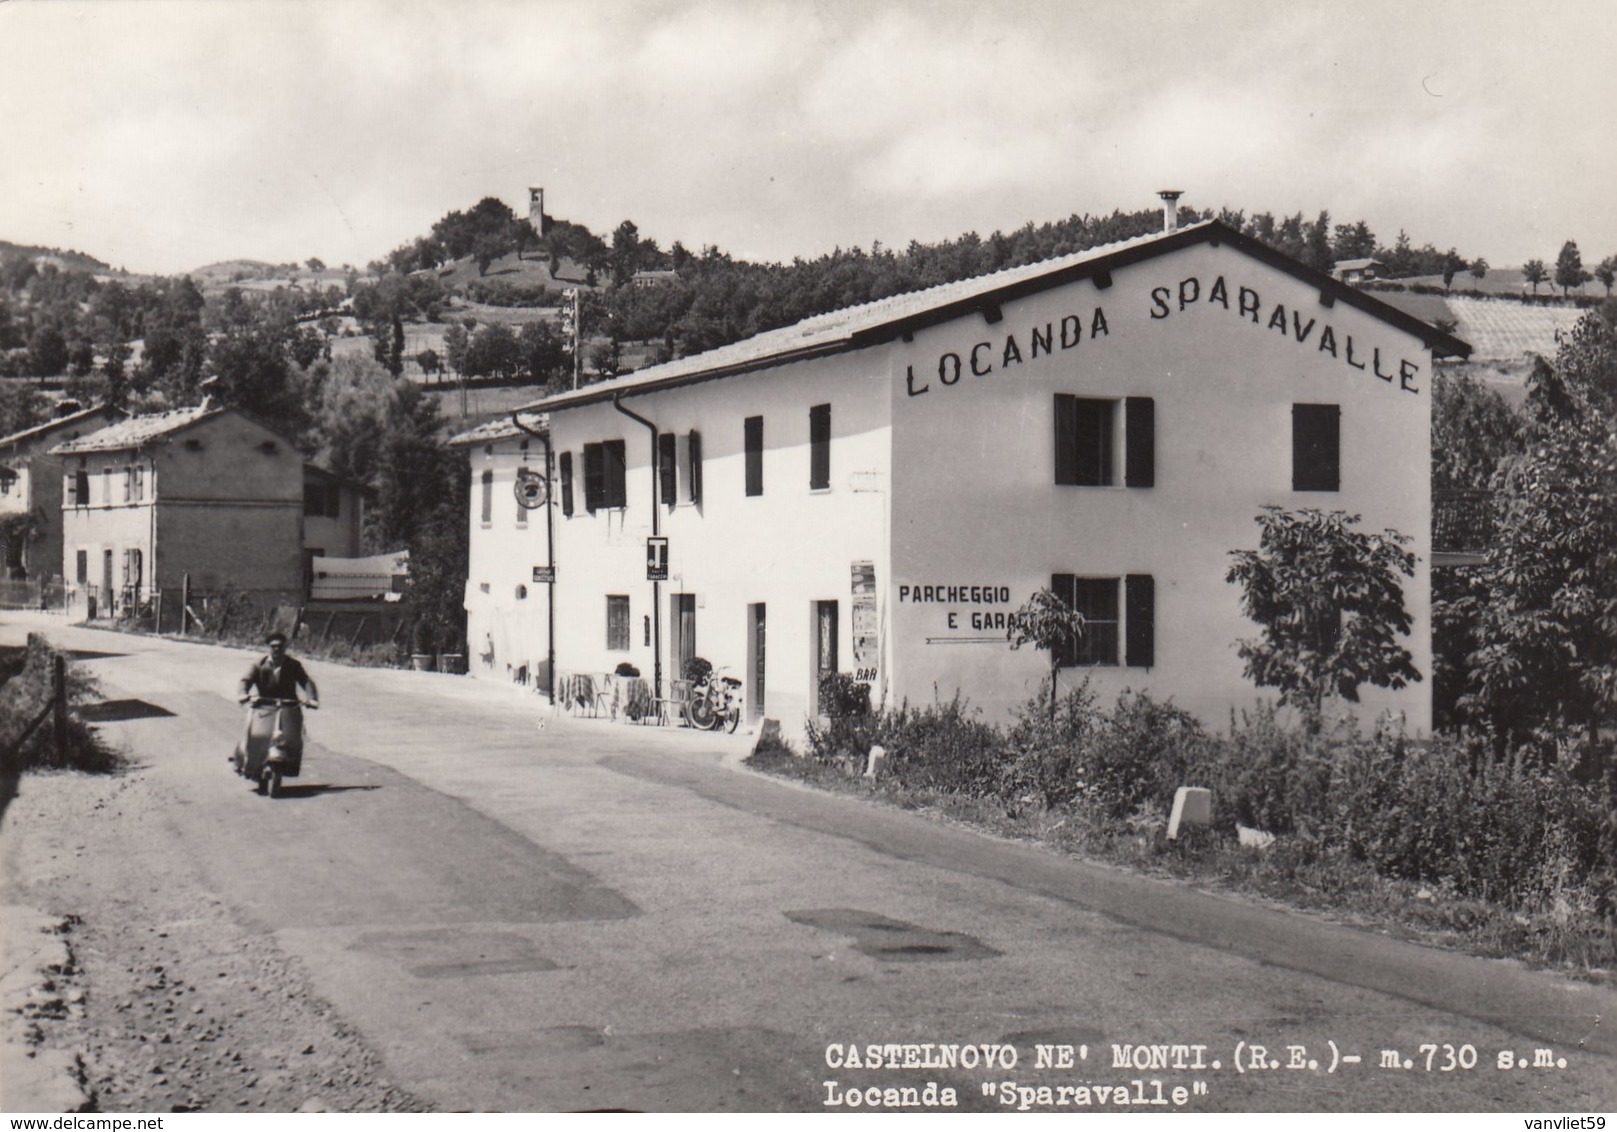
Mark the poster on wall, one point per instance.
(866, 646)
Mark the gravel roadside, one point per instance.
(166, 1001)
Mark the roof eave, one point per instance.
(1214, 232)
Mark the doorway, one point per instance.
(825, 647)
(755, 661)
(682, 627)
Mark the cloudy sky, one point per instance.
(163, 136)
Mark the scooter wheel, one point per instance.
(732, 720)
(262, 785)
(274, 784)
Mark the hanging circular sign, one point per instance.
(532, 489)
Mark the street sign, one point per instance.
(657, 559)
(544, 573)
(532, 489)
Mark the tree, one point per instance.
(21, 407)
(1547, 614)
(1047, 622)
(456, 343)
(47, 351)
(428, 361)
(1479, 269)
(1607, 273)
(1569, 271)
(316, 264)
(1330, 605)
(1452, 265)
(1473, 428)
(1317, 252)
(1534, 272)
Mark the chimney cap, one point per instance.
(1170, 210)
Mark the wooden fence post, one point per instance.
(59, 706)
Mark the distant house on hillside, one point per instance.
(1357, 270)
(203, 496)
(653, 278)
(31, 483)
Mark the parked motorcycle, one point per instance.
(715, 703)
(272, 748)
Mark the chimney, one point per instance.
(1170, 208)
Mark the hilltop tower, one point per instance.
(536, 209)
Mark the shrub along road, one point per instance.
(468, 903)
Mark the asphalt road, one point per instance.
(520, 910)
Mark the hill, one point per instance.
(65, 259)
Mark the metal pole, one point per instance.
(550, 553)
(656, 529)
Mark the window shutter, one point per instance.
(667, 468)
(565, 463)
(1316, 448)
(1140, 429)
(616, 486)
(594, 477)
(696, 467)
(754, 442)
(820, 447)
(1062, 586)
(1140, 614)
(488, 497)
(1066, 440)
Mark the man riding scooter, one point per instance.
(273, 744)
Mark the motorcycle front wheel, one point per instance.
(702, 713)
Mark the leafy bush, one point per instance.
(695, 669)
(841, 696)
(24, 696)
(626, 669)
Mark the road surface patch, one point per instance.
(879, 937)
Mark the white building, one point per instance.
(507, 610)
(875, 490)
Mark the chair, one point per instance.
(678, 699)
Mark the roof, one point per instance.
(885, 319)
(1357, 264)
(136, 431)
(54, 423)
(500, 428)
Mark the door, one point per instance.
(682, 624)
(825, 647)
(755, 662)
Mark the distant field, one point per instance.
(1500, 330)
(1509, 281)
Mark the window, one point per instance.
(1086, 441)
(617, 622)
(487, 512)
(753, 430)
(694, 452)
(140, 483)
(1097, 600)
(321, 500)
(1316, 448)
(129, 484)
(604, 467)
(668, 467)
(82, 567)
(106, 486)
(522, 512)
(819, 447)
(565, 463)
